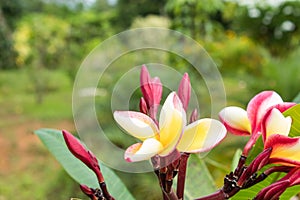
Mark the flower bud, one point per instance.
(143, 106)
(80, 152)
(184, 91)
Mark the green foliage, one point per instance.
(281, 75)
(297, 98)
(18, 96)
(54, 141)
(199, 181)
(294, 113)
(199, 19)
(236, 159)
(251, 192)
(236, 54)
(275, 27)
(40, 41)
(130, 9)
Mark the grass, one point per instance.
(28, 170)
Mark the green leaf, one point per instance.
(294, 113)
(256, 149)
(236, 159)
(251, 192)
(53, 140)
(199, 181)
(297, 98)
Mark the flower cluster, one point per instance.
(264, 118)
(169, 139)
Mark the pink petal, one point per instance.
(235, 120)
(258, 106)
(285, 150)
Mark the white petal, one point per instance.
(258, 106)
(171, 122)
(236, 120)
(202, 135)
(137, 124)
(278, 124)
(138, 152)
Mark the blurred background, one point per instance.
(43, 42)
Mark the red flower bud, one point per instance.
(259, 162)
(273, 191)
(184, 91)
(152, 91)
(80, 152)
(86, 190)
(194, 116)
(143, 106)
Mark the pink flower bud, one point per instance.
(194, 116)
(151, 87)
(259, 162)
(152, 91)
(143, 106)
(273, 191)
(80, 152)
(184, 90)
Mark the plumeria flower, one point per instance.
(248, 122)
(170, 133)
(275, 129)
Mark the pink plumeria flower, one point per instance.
(248, 122)
(172, 132)
(275, 131)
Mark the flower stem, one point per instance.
(181, 175)
(171, 195)
(219, 195)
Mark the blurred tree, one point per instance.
(277, 28)
(102, 5)
(200, 19)
(40, 41)
(9, 12)
(130, 9)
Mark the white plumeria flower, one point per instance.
(172, 133)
